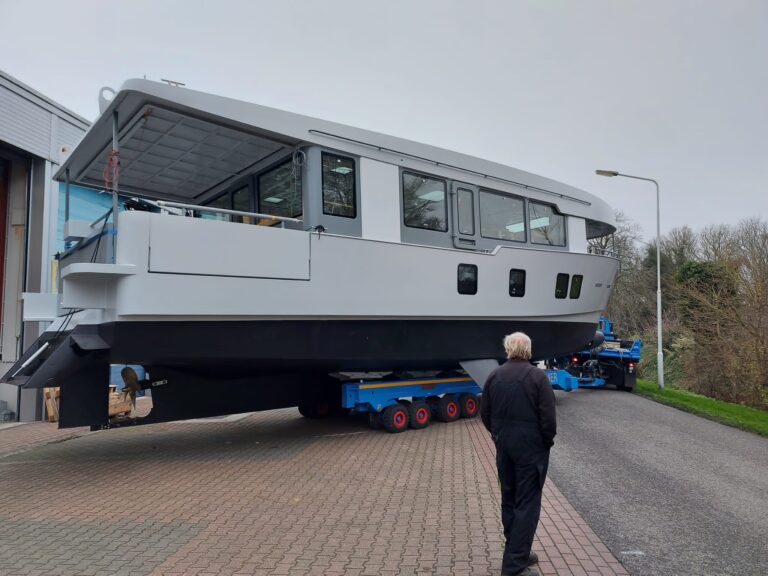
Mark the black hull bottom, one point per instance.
(200, 369)
(332, 345)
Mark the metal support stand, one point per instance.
(66, 195)
(116, 152)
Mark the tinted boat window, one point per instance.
(502, 217)
(547, 226)
(576, 283)
(424, 203)
(339, 186)
(517, 283)
(280, 192)
(467, 279)
(466, 212)
(220, 202)
(561, 285)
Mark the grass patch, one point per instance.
(735, 415)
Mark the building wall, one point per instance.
(35, 135)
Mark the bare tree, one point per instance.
(681, 245)
(715, 286)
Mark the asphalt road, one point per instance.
(671, 494)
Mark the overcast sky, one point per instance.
(675, 90)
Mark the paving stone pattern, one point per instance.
(271, 493)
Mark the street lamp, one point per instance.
(659, 353)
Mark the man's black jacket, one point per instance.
(519, 395)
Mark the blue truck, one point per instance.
(614, 361)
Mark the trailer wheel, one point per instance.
(448, 409)
(469, 404)
(315, 410)
(305, 410)
(629, 379)
(322, 409)
(419, 415)
(374, 420)
(395, 418)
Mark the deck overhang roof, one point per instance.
(169, 151)
(184, 145)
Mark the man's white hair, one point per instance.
(517, 346)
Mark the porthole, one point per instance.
(561, 285)
(467, 279)
(517, 283)
(576, 283)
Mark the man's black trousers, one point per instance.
(522, 472)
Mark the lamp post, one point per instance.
(659, 353)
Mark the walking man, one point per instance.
(518, 409)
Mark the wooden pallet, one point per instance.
(119, 403)
(52, 396)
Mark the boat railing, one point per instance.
(102, 217)
(271, 218)
(602, 251)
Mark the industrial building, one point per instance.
(36, 133)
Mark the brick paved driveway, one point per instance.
(268, 493)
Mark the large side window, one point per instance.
(466, 212)
(424, 204)
(517, 283)
(502, 217)
(241, 200)
(561, 285)
(339, 186)
(280, 192)
(547, 226)
(467, 279)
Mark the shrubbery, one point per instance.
(715, 307)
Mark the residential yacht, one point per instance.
(267, 254)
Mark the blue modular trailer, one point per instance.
(397, 405)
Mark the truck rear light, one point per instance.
(575, 359)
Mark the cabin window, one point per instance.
(502, 217)
(241, 200)
(517, 283)
(547, 226)
(424, 204)
(222, 201)
(280, 192)
(466, 203)
(467, 279)
(561, 285)
(339, 186)
(576, 283)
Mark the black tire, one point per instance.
(419, 415)
(316, 410)
(630, 378)
(374, 420)
(395, 418)
(306, 410)
(448, 409)
(323, 409)
(469, 405)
